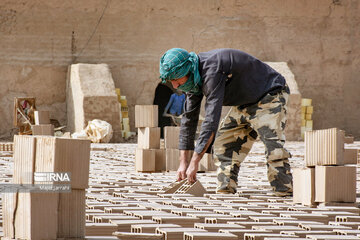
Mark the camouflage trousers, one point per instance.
(237, 133)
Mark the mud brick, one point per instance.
(261, 236)
(28, 214)
(304, 186)
(208, 236)
(285, 238)
(324, 147)
(42, 117)
(145, 215)
(171, 137)
(182, 221)
(335, 183)
(329, 237)
(214, 220)
(248, 225)
(151, 228)
(241, 232)
(43, 130)
(347, 218)
(195, 189)
(140, 236)
(306, 217)
(106, 218)
(125, 225)
(176, 233)
(24, 159)
(149, 138)
(216, 227)
(160, 159)
(100, 229)
(172, 159)
(293, 222)
(64, 155)
(276, 229)
(146, 116)
(303, 233)
(71, 215)
(350, 155)
(207, 163)
(145, 160)
(320, 227)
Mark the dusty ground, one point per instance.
(115, 185)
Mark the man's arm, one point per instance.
(168, 105)
(214, 92)
(189, 123)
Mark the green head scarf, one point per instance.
(177, 63)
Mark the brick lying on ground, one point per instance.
(140, 236)
(151, 228)
(208, 236)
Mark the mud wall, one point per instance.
(39, 38)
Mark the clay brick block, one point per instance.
(64, 155)
(350, 155)
(43, 129)
(324, 147)
(125, 225)
(149, 138)
(28, 214)
(139, 236)
(150, 228)
(172, 159)
(335, 183)
(146, 116)
(171, 137)
(42, 117)
(208, 236)
(145, 160)
(71, 215)
(195, 189)
(160, 159)
(24, 159)
(207, 163)
(176, 233)
(304, 186)
(100, 229)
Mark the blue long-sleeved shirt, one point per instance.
(176, 104)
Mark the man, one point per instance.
(258, 96)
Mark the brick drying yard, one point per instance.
(122, 200)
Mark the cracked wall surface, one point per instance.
(318, 39)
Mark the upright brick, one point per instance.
(145, 160)
(146, 116)
(149, 138)
(335, 183)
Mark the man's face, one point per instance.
(178, 82)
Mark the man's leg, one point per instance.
(233, 142)
(268, 118)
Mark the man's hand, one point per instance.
(193, 167)
(184, 162)
(181, 172)
(191, 172)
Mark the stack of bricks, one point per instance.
(329, 176)
(42, 124)
(306, 116)
(171, 138)
(124, 110)
(48, 214)
(149, 157)
(6, 147)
